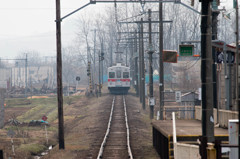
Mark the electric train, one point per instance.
(118, 79)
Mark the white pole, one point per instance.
(12, 146)
(46, 134)
(174, 128)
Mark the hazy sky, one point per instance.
(28, 25)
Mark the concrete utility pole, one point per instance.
(59, 78)
(126, 57)
(140, 62)
(2, 109)
(94, 60)
(99, 74)
(102, 58)
(142, 76)
(207, 80)
(143, 71)
(131, 62)
(237, 76)
(26, 81)
(161, 69)
(215, 14)
(150, 53)
(136, 83)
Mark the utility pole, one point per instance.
(94, 59)
(99, 73)
(215, 14)
(161, 69)
(136, 83)
(59, 77)
(102, 57)
(26, 84)
(237, 76)
(111, 55)
(126, 55)
(150, 54)
(142, 68)
(140, 62)
(131, 62)
(207, 80)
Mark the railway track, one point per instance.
(116, 142)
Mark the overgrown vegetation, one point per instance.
(34, 149)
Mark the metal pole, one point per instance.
(206, 77)
(161, 69)
(143, 69)
(59, 77)
(150, 53)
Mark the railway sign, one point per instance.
(170, 56)
(151, 101)
(178, 96)
(186, 50)
(44, 118)
(78, 78)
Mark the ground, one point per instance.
(85, 121)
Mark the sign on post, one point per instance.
(186, 50)
(178, 95)
(78, 78)
(44, 118)
(170, 56)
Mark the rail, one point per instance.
(107, 132)
(100, 154)
(127, 127)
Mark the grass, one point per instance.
(18, 102)
(37, 108)
(41, 107)
(34, 149)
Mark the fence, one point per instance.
(183, 103)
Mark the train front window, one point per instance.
(118, 74)
(125, 74)
(111, 74)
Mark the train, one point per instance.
(119, 79)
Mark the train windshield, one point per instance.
(111, 74)
(118, 74)
(125, 74)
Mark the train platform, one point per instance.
(187, 131)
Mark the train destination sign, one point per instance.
(186, 50)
